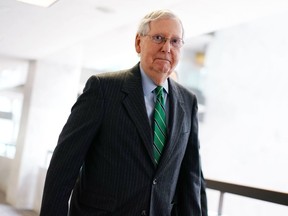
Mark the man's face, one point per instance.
(158, 60)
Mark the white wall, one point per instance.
(244, 135)
(5, 168)
(50, 91)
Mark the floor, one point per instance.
(7, 210)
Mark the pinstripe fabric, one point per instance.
(108, 138)
(160, 129)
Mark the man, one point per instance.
(108, 152)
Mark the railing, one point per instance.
(255, 193)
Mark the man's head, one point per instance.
(158, 42)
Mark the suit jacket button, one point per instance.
(143, 213)
(154, 182)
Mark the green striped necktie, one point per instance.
(160, 129)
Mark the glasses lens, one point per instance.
(158, 39)
(176, 42)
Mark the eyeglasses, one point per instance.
(158, 39)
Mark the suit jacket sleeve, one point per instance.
(191, 185)
(73, 144)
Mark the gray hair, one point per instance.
(144, 26)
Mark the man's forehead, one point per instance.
(172, 26)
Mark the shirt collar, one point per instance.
(149, 85)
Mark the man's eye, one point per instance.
(175, 40)
(158, 37)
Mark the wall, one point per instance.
(50, 91)
(244, 135)
(5, 170)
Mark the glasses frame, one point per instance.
(163, 39)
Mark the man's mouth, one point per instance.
(163, 59)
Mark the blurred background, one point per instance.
(235, 59)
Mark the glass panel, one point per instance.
(242, 87)
(238, 206)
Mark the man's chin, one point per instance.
(165, 69)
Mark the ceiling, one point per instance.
(105, 29)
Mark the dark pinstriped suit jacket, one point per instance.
(109, 139)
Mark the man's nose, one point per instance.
(166, 46)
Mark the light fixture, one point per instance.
(41, 3)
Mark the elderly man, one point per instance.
(130, 145)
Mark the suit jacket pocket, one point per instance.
(99, 202)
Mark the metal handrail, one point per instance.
(251, 192)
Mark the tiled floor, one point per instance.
(7, 210)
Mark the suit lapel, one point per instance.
(176, 119)
(135, 105)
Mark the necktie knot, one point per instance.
(159, 91)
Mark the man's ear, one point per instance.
(137, 43)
